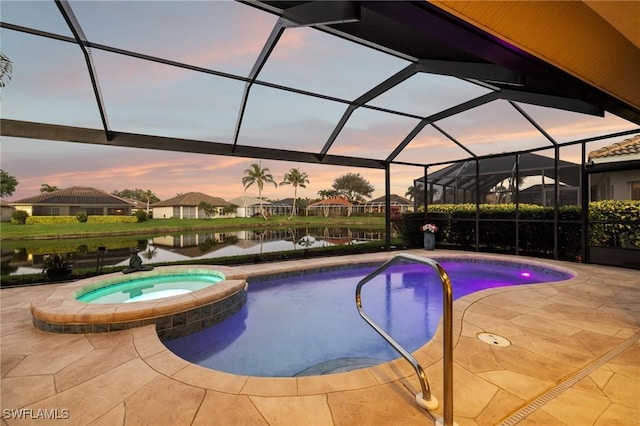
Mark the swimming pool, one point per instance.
(308, 324)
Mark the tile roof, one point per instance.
(75, 195)
(626, 147)
(395, 200)
(192, 199)
(334, 201)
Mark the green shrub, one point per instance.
(48, 220)
(82, 217)
(112, 219)
(535, 232)
(19, 217)
(141, 215)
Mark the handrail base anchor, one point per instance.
(427, 404)
(440, 422)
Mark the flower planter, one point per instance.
(429, 240)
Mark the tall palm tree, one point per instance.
(255, 174)
(298, 179)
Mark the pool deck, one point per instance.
(574, 359)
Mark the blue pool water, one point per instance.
(150, 288)
(309, 324)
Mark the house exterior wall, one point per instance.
(5, 213)
(614, 185)
(162, 212)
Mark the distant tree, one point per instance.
(327, 193)
(45, 187)
(145, 195)
(6, 69)
(353, 187)
(8, 184)
(207, 208)
(298, 179)
(255, 174)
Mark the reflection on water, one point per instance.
(26, 257)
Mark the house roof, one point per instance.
(75, 195)
(395, 200)
(628, 147)
(249, 201)
(332, 202)
(192, 199)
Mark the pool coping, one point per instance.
(161, 359)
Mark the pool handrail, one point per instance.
(424, 399)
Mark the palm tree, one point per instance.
(45, 187)
(208, 209)
(298, 179)
(410, 192)
(256, 174)
(6, 69)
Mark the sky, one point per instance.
(50, 84)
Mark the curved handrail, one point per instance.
(424, 399)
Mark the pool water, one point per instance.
(309, 324)
(150, 288)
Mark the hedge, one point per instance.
(112, 219)
(497, 230)
(40, 220)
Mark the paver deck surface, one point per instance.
(574, 359)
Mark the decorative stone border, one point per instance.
(173, 317)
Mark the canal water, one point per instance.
(25, 257)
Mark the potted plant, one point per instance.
(429, 231)
(57, 267)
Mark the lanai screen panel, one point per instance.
(35, 93)
(308, 59)
(372, 132)
(285, 120)
(221, 35)
(567, 126)
(493, 128)
(151, 98)
(425, 94)
(43, 15)
(430, 147)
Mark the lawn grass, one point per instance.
(10, 231)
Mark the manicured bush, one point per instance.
(112, 219)
(19, 217)
(141, 215)
(82, 217)
(535, 232)
(48, 220)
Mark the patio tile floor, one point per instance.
(556, 331)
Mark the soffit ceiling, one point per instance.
(497, 62)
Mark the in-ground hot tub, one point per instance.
(179, 300)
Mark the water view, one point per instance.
(26, 257)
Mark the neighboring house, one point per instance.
(615, 171)
(399, 205)
(6, 211)
(250, 206)
(137, 205)
(74, 200)
(334, 206)
(186, 206)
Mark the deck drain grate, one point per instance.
(493, 339)
(553, 393)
